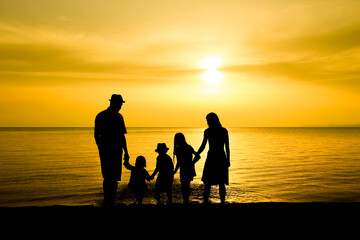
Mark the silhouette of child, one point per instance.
(184, 154)
(165, 168)
(138, 177)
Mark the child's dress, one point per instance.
(184, 156)
(137, 178)
(165, 178)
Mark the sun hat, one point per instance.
(161, 147)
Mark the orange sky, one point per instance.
(284, 63)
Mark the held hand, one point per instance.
(196, 158)
(126, 157)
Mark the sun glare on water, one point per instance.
(211, 76)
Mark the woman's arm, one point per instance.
(177, 166)
(227, 148)
(197, 156)
(203, 144)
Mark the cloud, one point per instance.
(331, 58)
(337, 40)
(323, 42)
(41, 64)
(315, 72)
(35, 54)
(292, 70)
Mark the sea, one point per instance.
(61, 166)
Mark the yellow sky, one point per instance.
(284, 63)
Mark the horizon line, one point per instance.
(304, 126)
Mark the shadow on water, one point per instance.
(126, 196)
(235, 194)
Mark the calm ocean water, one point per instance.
(60, 166)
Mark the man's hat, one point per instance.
(161, 147)
(116, 98)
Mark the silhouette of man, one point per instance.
(110, 138)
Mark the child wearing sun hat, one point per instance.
(165, 168)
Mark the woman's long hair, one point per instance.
(179, 140)
(213, 120)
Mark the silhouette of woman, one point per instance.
(216, 169)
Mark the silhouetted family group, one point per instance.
(110, 138)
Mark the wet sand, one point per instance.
(192, 221)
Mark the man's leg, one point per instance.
(169, 196)
(222, 191)
(110, 190)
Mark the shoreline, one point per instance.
(248, 218)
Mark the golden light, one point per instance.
(211, 63)
(211, 76)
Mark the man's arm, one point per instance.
(126, 153)
(123, 140)
(97, 134)
(129, 166)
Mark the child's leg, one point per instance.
(185, 191)
(157, 197)
(169, 195)
(140, 197)
(137, 196)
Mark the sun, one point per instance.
(211, 62)
(211, 76)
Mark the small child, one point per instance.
(165, 168)
(138, 177)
